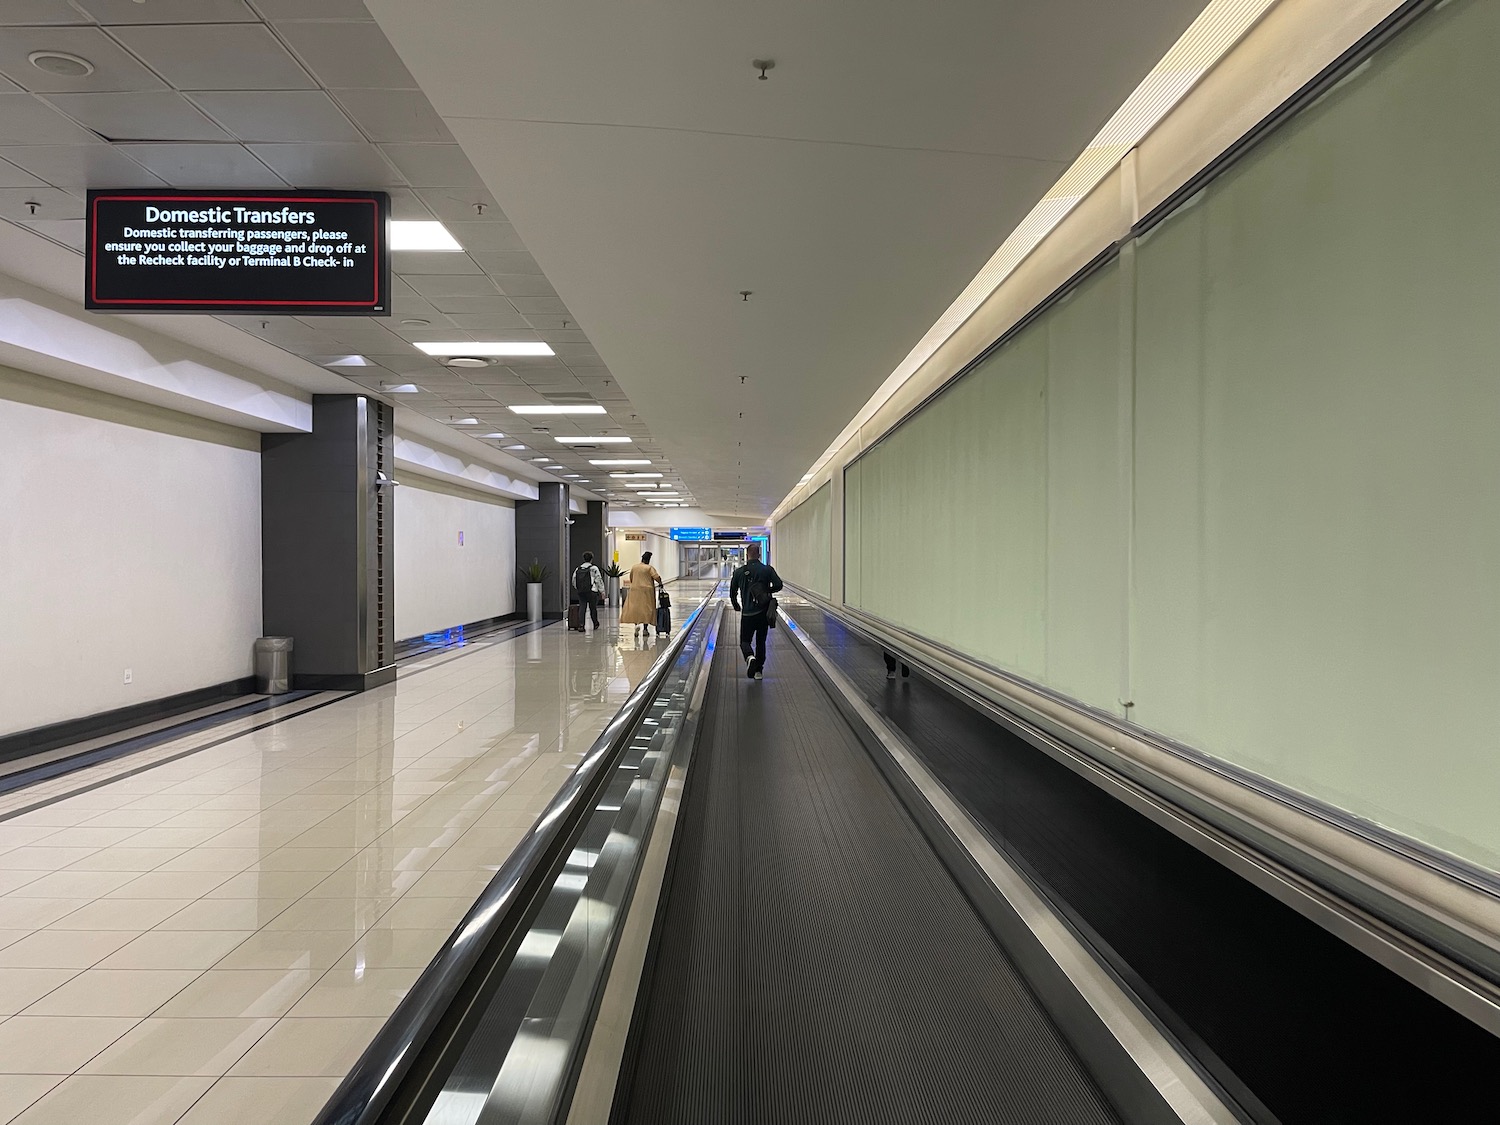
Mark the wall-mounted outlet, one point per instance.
(129, 676)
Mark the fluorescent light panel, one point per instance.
(594, 440)
(551, 409)
(624, 461)
(633, 476)
(1221, 25)
(484, 347)
(422, 234)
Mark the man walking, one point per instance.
(754, 584)
(589, 583)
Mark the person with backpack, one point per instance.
(589, 583)
(755, 584)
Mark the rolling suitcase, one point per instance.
(575, 616)
(664, 614)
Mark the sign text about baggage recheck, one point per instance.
(232, 237)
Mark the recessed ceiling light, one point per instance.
(514, 448)
(421, 234)
(415, 322)
(642, 487)
(574, 476)
(551, 466)
(485, 347)
(400, 388)
(541, 458)
(495, 436)
(60, 62)
(466, 361)
(549, 409)
(463, 421)
(624, 461)
(593, 440)
(633, 476)
(348, 361)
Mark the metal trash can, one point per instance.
(273, 665)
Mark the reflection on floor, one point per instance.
(217, 938)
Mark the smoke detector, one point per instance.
(467, 361)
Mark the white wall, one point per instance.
(129, 538)
(664, 553)
(440, 583)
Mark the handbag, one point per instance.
(664, 599)
(771, 611)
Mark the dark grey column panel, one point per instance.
(326, 543)
(587, 534)
(542, 536)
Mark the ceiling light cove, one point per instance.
(485, 348)
(550, 409)
(400, 389)
(625, 461)
(593, 441)
(633, 476)
(409, 234)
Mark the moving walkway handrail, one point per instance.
(367, 1090)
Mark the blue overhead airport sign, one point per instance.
(691, 534)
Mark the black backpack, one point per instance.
(583, 580)
(757, 593)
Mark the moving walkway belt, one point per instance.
(814, 961)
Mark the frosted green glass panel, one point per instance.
(803, 543)
(853, 524)
(1319, 443)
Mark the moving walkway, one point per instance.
(827, 896)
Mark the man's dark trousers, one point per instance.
(753, 626)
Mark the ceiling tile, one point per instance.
(406, 205)
(26, 121)
(573, 335)
(168, 11)
(509, 323)
(278, 115)
(496, 310)
(524, 285)
(11, 176)
(51, 204)
(572, 352)
(550, 323)
(434, 165)
(486, 237)
(77, 167)
(155, 115)
(455, 205)
(412, 263)
(395, 115)
(216, 56)
(204, 165)
(313, 9)
(114, 67)
(329, 165)
(551, 306)
(20, 13)
(473, 285)
(68, 232)
(503, 262)
(348, 55)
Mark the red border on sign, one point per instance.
(94, 254)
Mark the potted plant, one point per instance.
(612, 576)
(535, 575)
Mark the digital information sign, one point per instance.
(691, 534)
(284, 253)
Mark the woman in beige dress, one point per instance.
(640, 603)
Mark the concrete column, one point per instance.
(326, 544)
(542, 536)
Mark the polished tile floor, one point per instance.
(215, 939)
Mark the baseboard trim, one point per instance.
(38, 740)
(344, 681)
(423, 643)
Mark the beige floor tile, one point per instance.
(225, 914)
(180, 838)
(40, 857)
(365, 877)
(260, 1101)
(180, 1046)
(451, 884)
(126, 858)
(113, 992)
(267, 884)
(83, 885)
(121, 914)
(17, 1091)
(21, 988)
(128, 818)
(174, 949)
(382, 947)
(11, 880)
(14, 835)
(240, 993)
(9, 938)
(63, 949)
(426, 913)
(229, 860)
(309, 1046)
(289, 949)
(117, 1099)
(375, 992)
(91, 836)
(306, 859)
(56, 1044)
(351, 914)
(169, 884)
(34, 913)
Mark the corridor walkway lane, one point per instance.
(216, 939)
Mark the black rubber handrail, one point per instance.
(367, 1090)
